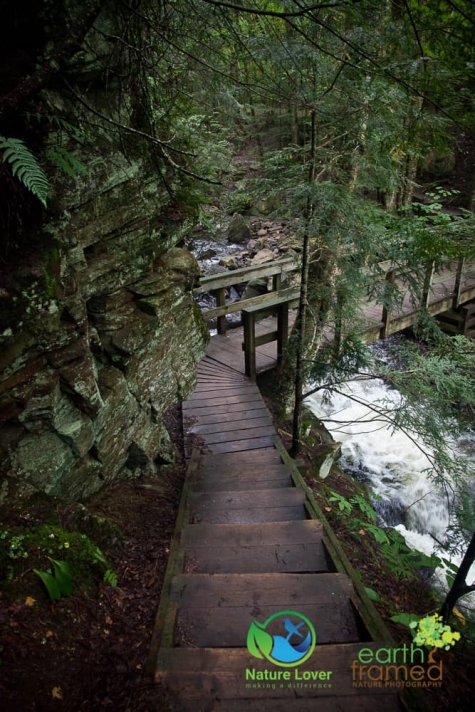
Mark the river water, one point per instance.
(392, 465)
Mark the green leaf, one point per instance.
(405, 618)
(372, 594)
(63, 576)
(50, 583)
(259, 642)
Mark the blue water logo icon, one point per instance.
(286, 638)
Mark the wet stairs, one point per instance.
(247, 545)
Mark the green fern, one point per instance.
(25, 167)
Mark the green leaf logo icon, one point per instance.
(259, 643)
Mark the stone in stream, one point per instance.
(238, 231)
(262, 256)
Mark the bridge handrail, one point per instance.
(388, 272)
(245, 274)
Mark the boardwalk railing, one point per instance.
(441, 289)
(218, 283)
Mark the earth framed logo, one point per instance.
(266, 642)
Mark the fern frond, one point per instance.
(25, 167)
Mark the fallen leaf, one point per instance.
(49, 634)
(362, 532)
(29, 601)
(109, 620)
(57, 693)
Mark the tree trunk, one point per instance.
(459, 587)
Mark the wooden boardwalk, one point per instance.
(227, 349)
(249, 544)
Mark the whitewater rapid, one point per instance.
(392, 463)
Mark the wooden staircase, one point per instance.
(248, 545)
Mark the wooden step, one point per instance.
(247, 506)
(247, 396)
(260, 553)
(254, 590)
(240, 405)
(261, 420)
(274, 558)
(206, 394)
(243, 433)
(244, 445)
(267, 455)
(256, 410)
(251, 472)
(237, 486)
(210, 384)
(209, 674)
(308, 531)
(252, 499)
(227, 627)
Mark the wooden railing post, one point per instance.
(386, 316)
(458, 282)
(276, 282)
(248, 326)
(221, 302)
(282, 329)
(427, 283)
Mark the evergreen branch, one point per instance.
(275, 13)
(163, 145)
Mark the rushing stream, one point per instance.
(391, 464)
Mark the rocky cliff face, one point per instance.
(101, 335)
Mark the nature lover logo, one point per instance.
(286, 639)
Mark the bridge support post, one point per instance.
(458, 282)
(282, 329)
(221, 302)
(248, 326)
(386, 316)
(427, 284)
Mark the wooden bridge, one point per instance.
(445, 292)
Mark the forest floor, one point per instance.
(88, 651)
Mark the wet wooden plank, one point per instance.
(254, 590)
(236, 425)
(258, 411)
(267, 454)
(236, 434)
(210, 673)
(224, 393)
(207, 384)
(241, 399)
(250, 516)
(243, 445)
(303, 532)
(274, 558)
(251, 498)
(237, 486)
(227, 627)
(246, 471)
